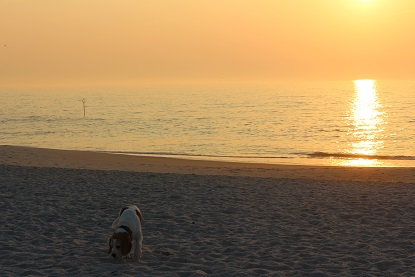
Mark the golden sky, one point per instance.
(133, 41)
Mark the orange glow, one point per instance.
(99, 42)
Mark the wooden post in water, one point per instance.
(83, 102)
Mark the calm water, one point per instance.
(363, 122)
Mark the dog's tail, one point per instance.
(116, 222)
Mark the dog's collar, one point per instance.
(127, 229)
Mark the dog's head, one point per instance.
(120, 245)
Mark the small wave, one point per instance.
(195, 155)
(356, 156)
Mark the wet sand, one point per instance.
(40, 157)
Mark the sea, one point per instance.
(336, 123)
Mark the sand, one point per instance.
(203, 218)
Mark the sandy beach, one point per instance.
(203, 218)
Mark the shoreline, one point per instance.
(74, 159)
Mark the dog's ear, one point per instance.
(126, 245)
(109, 245)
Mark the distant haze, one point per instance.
(103, 42)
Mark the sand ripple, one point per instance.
(57, 222)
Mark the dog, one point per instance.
(127, 235)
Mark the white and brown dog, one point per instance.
(128, 234)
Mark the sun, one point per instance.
(364, 2)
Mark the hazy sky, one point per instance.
(133, 41)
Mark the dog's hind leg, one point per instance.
(140, 244)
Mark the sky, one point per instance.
(98, 42)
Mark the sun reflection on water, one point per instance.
(366, 123)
